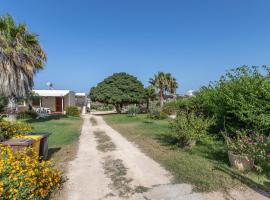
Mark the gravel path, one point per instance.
(108, 166)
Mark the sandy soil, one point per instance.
(107, 166)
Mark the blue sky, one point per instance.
(195, 40)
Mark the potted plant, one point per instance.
(246, 148)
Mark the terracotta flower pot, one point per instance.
(241, 163)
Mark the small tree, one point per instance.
(118, 89)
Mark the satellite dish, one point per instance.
(50, 85)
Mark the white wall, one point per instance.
(69, 99)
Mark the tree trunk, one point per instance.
(161, 98)
(12, 108)
(118, 108)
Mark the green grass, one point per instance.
(65, 130)
(206, 166)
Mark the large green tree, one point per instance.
(118, 89)
(21, 56)
(164, 82)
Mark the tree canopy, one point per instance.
(118, 89)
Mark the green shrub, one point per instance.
(170, 108)
(133, 111)
(29, 114)
(72, 111)
(240, 99)
(155, 112)
(188, 128)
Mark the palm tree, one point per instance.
(172, 85)
(150, 94)
(21, 56)
(160, 83)
(164, 82)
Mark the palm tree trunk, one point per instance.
(12, 108)
(161, 98)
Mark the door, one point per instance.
(58, 104)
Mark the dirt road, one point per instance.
(108, 166)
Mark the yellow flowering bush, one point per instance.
(24, 177)
(11, 129)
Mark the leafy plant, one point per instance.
(25, 177)
(133, 111)
(188, 128)
(72, 111)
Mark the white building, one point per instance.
(55, 100)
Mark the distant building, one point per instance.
(190, 93)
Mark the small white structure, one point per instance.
(80, 99)
(55, 100)
(190, 93)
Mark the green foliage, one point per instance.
(240, 99)
(188, 128)
(118, 89)
(133, 111)
(72, 111)
(156, 113)
(170, 107)
(28, 114)
(3, 103)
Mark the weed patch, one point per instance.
(104, 142)
(93, 121)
